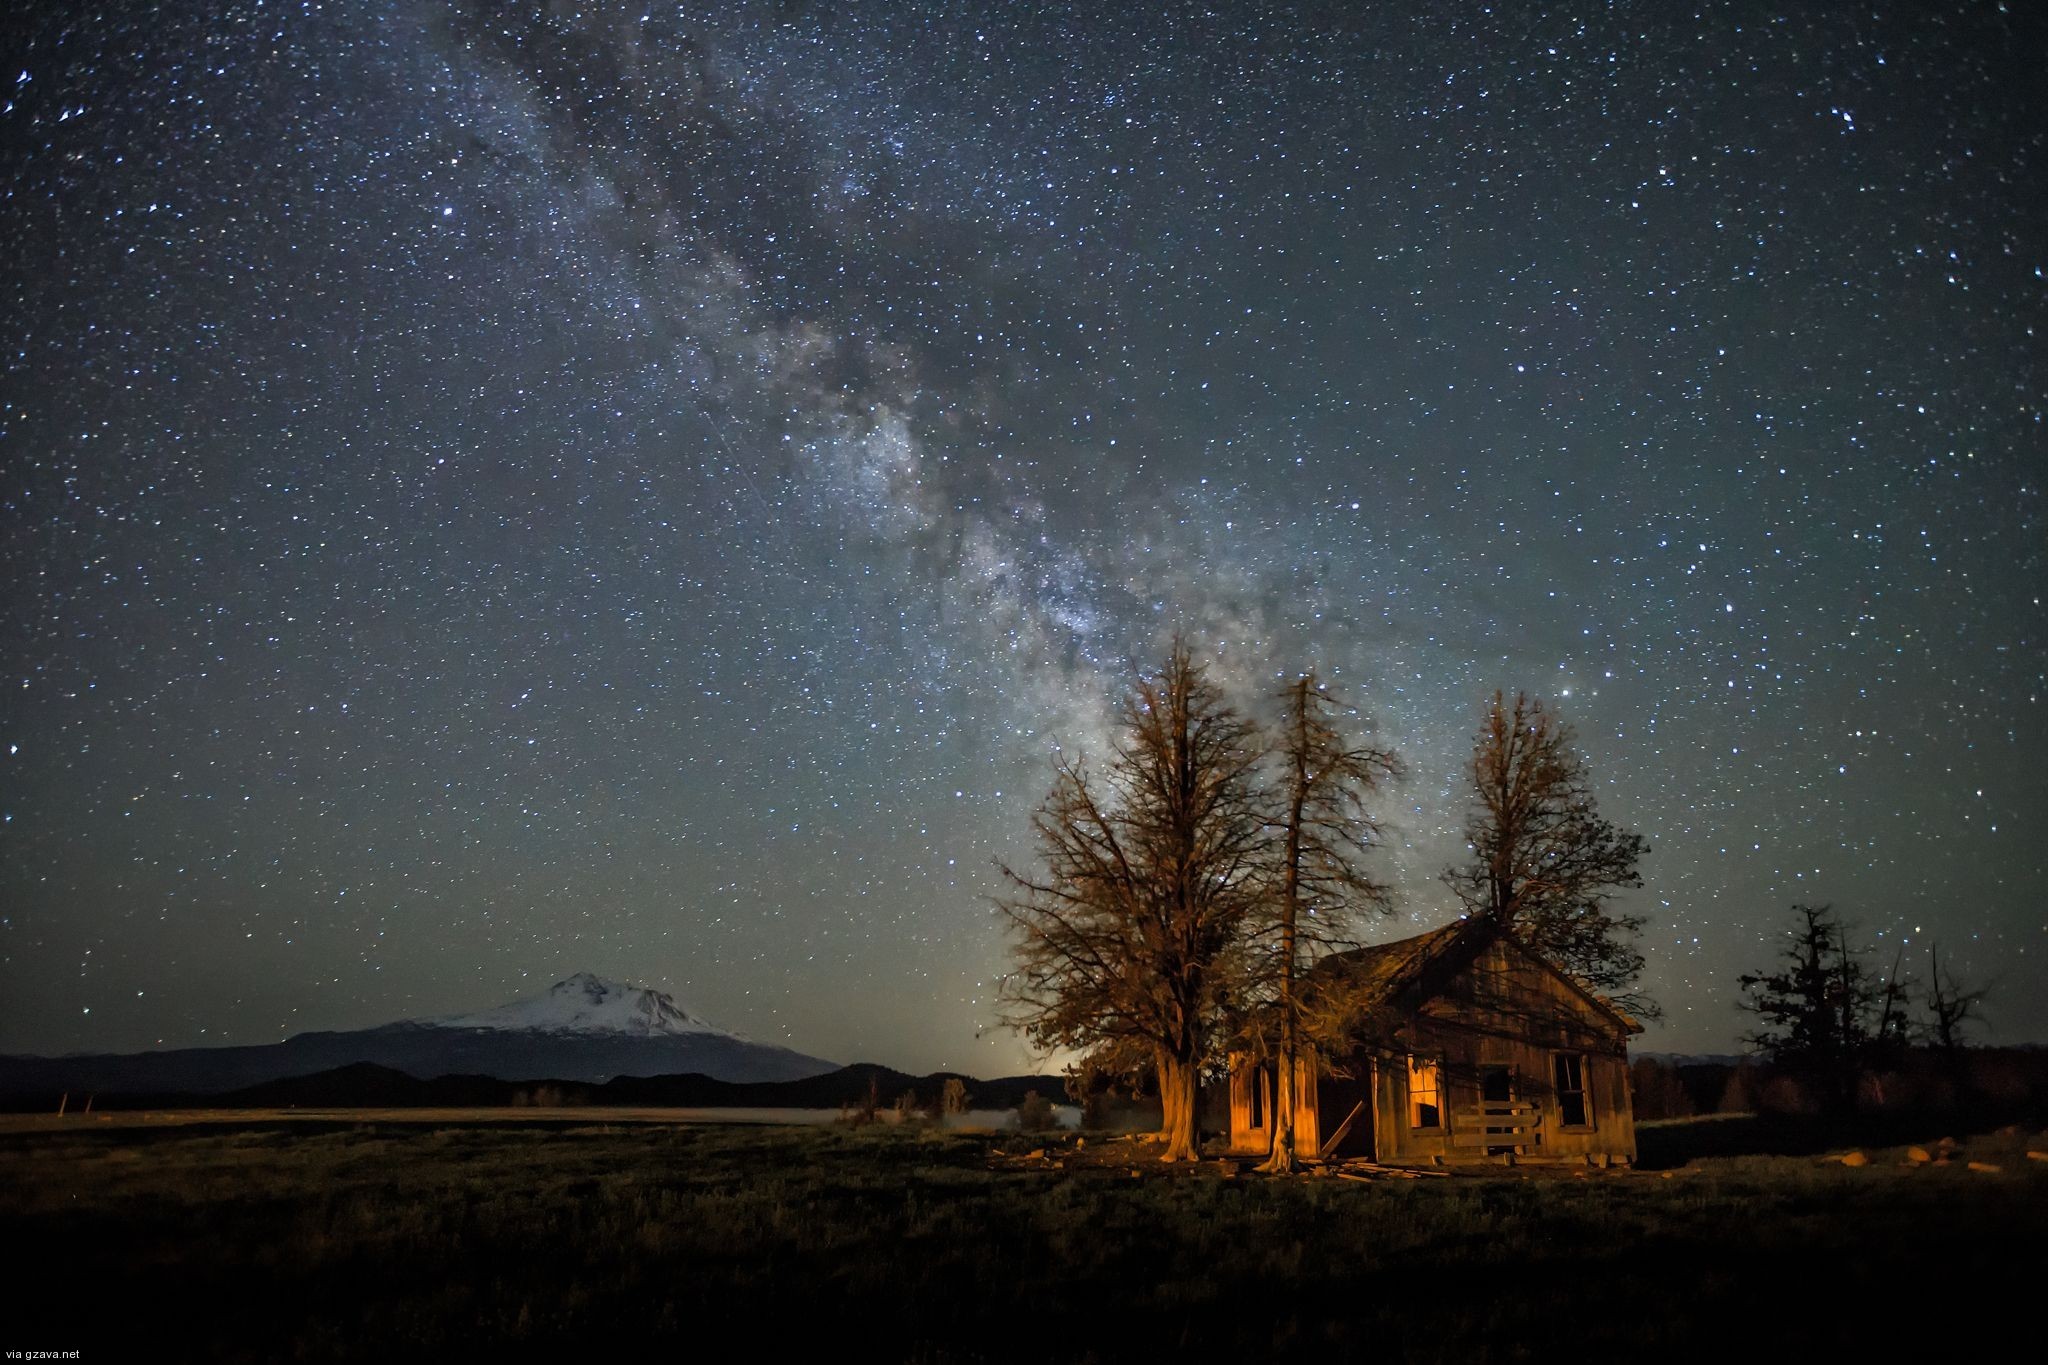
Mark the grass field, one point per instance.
(265, 1238)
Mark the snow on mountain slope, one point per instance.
(590, 1004)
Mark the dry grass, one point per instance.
(360, 1236)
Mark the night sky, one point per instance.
(490, 492)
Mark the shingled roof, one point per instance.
(1383, 972)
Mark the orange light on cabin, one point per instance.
(1425, 1093)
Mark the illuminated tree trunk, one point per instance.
(1284, 1159)
(1177, 1110)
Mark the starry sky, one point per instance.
(491, 491)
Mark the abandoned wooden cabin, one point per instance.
(1483, 1052)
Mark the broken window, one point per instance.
(1572, 1109)
(1425, 1093)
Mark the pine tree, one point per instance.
(1814, 1013)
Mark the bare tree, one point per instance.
(1321, 887)
(1951, 1006)
(1892, 1032)
(1544, 862)
(1130, 936)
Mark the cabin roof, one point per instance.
(1383, 971)
(1409, 970)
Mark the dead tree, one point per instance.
(1891, 1030)
(1320, 888)
(1951, 1006)
(1130, 935)
(1892, 1034)
(1544, 861)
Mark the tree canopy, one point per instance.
(1131, 937)
(1545, 863)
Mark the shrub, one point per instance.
(1035, 1114)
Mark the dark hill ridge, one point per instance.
(367, 1085)
(850, 1085)
(584, 1028)
(423, 1050)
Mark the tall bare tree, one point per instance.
(1321, 887)
(1544, 861)
(1951, 1006)
(1130, 936)
(1892, 1032)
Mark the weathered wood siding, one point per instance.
(1251, 1122)
(1505, 1016)
(1508, 1013)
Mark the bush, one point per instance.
(1784, 1094)
(1035, 1114)
(541, 1097)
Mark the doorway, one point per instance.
(1342, 1098)
(1497, 1086)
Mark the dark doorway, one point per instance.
(1345, 1097)
(1497, 1086)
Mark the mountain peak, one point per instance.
(589, 1003)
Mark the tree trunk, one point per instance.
(1284, 1160)
(1177, 1109)
(1281, 1161)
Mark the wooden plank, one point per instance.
(1499, 1125)
(1374, 1168)
(1342, 1129)
(1515, 1139)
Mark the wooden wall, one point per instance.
(1508, 1016)
(1251, 1121)
(1509, 1012)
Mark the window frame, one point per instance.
(1433, 1067)
(1583, 1090)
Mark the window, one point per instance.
(1572, 1109)
(1425, 1093)
(1258, 1082)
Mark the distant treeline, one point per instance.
(2011, 1082)
(367, 1085)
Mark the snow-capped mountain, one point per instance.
(583, 1029)
(586, 1003)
